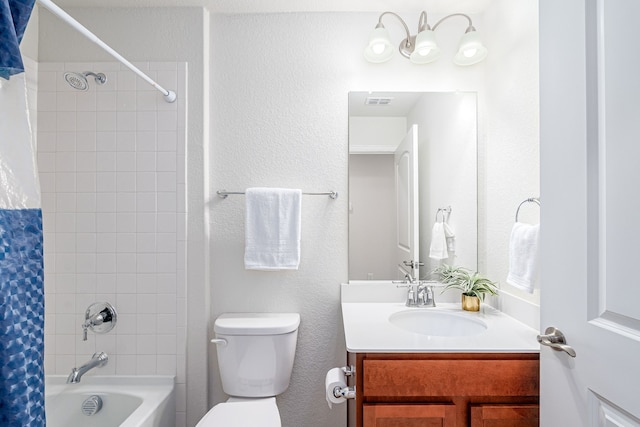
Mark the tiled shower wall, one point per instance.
(111, 163)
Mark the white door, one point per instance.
(590, 195)
(406, 171)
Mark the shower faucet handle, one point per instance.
(100, 317)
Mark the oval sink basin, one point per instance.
(437, 323)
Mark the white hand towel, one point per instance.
(272, 229)
(438, 248)
(523, 256)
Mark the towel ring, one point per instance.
(535, 200)
(446, 210)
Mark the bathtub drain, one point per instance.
(92, 405)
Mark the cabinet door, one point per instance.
(388, 415)
(505, 416)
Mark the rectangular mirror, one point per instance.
(396, 196)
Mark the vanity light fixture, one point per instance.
(423, 47)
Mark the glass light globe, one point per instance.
(379, 48)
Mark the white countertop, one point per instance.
(366, 312)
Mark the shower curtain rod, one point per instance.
(169, 95)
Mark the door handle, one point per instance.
(413, 264)
(554, 338)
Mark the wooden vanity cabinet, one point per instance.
(446, 390)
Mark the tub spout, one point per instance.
(98, 360)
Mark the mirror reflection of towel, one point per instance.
(438, 248)
(451, 238)
(523, 256)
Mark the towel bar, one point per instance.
(223, 194)
(535, 200)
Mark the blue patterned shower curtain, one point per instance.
(21, 256)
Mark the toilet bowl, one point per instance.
(237, 412)
(255, 359)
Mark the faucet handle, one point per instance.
(100, 317)
(412, 290)
(411, 297)
(425, 295)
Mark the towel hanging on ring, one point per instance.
(442, 237)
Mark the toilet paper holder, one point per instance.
(346, 392)
(349, 371)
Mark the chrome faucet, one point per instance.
(419, 293)
(425, 295)
(98, 360)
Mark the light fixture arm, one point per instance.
(422, 22)
(469, 28)
(406, 41)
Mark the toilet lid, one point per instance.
(243, 413)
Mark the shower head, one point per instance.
(79, 80)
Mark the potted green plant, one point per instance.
(474, 286)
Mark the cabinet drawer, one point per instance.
(388, 415)
(505, 416)
(441, 378)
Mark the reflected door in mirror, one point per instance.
(406, 184)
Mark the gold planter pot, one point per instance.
(470, 303)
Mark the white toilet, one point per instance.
(255, 359)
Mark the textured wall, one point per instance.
(279, 118)
(277, 121)
(511, 165)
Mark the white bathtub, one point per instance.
(127, 401)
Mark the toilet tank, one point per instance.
(258, 356)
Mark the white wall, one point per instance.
(372, 203)
(372, 217)
(375, 133)
(511, 165)
(279, 118)
(447, 134)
